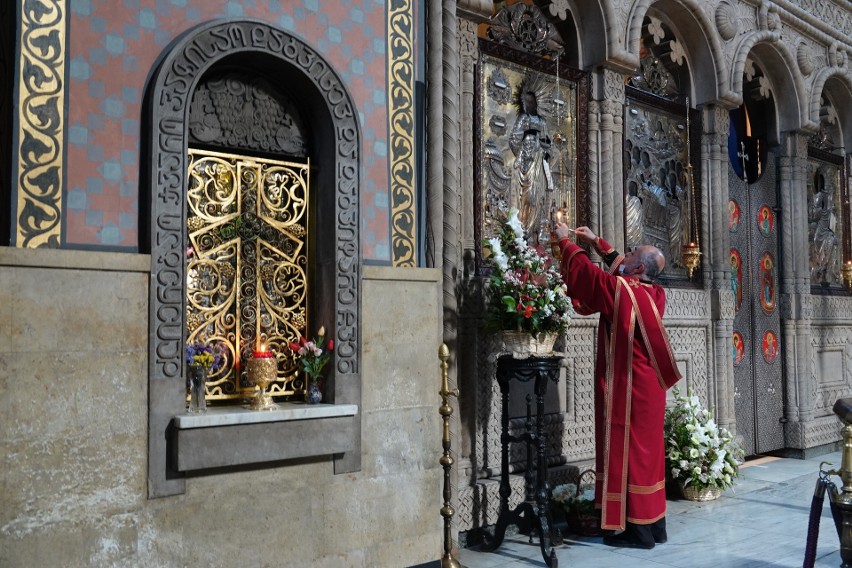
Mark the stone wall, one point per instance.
(73, 407)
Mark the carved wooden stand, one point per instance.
(534, 511)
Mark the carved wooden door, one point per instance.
(754, 254)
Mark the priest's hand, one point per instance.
(562, 231)
(585, 234)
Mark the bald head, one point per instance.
(645, 261)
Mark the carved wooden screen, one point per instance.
(826, 230)
(247, 223)
(529, 135)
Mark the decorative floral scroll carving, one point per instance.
(41, 99)
(401, 143)
(523, 26)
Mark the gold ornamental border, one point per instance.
(401, 135)
(41, 106)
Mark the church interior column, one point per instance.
(714, 169)
(795, 299)
(468, 301)
(606, 143)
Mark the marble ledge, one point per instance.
(288, 411)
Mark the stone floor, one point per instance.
(761, 521)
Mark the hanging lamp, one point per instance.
(692, 250)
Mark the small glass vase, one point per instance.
(313, 395)
(197, 378)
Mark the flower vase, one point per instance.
(197, 376)
(313, 395)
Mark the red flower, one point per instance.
(331, 345)
(294, 346)
(529, 311)
(304, 340)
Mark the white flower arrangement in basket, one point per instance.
(700, 455)
(525, 292)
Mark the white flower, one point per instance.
(691, 431)
(515, 223)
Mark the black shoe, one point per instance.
(632, 537)
(658, 530)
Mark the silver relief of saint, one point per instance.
(527, 147)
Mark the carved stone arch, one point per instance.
(595, 23)
(327, 106)
(838, 83)
(702, 45)
(788, 86)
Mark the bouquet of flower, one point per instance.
(575, 500)
(699, 452)
(525, 291)
(313, 355)
(200, 354)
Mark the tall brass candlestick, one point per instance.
(447, 511)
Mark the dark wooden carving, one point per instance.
(239, 110)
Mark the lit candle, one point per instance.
(262, 352)
(558, 215)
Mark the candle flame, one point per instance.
(748, 122)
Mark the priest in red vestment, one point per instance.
(634, 368)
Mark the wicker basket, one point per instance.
(699, 493)
(523, 344)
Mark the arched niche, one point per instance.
(835, 87)
(787, 86)
(593, 24)
(701, 45)
(326, 105)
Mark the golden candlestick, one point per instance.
(262, 370)
(446, 461)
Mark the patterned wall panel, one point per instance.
(40, 133)
(830, 356)
(401, 136)
(113, 46)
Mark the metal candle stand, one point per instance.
(841, 500)
(446, 411)
(535, 509)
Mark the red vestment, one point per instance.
(634, 368)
